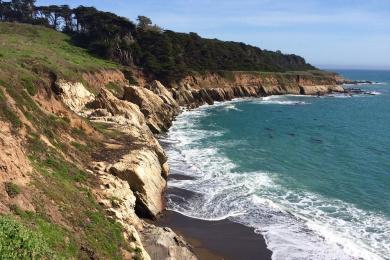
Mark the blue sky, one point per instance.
(328, 33)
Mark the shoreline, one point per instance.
(221, 239)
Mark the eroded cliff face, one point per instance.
(136, 177)
(199, 89)
(130, 166)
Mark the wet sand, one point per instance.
(222, 239)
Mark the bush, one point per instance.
(12, 189)
(18, 242)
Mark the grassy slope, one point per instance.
(25, 46)
(27, 54)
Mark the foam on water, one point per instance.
(280, 100)
(296, 225)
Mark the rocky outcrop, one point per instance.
(107, 107)
(99, 79)
(132, 186)
(197, 90)
(118, 198)
(158, 107)
(320, 89)
(74, 95)
(164, 244)
(145, 166)
(142, 170)
(159, 89)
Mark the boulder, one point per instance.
(158, 113)
(142, 169)
(163, 243)
(74, 95)
(110, 104)
(159, 89)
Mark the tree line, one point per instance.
(160, 53)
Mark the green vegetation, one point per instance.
(27, 48)
(166, 55)
(65, 184)
(19, 242)
(32, 58)
(29, 86)
(12, 189)
(60, 241)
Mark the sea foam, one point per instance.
(296, 224)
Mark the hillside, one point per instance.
(80, 166)
(52, 204)
(164, 54)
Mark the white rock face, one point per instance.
(142, 170)
(74, 95)
(133, 186)
(115, 194)
(162, 92)
(158, 109)
(164, 244)
(321, 89)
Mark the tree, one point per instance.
(67, 15)
(144, 23)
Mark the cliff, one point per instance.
(199, 89)
(81, 168)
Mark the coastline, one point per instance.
(219, 239)
(140, 115)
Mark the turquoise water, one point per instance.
(311, 174)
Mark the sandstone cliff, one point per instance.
(145, 110)
(199, 89)
(129, 164)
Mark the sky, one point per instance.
(327, 33)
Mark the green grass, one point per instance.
(35, 48)
(19, 242)
(67, 185)
(58, 239)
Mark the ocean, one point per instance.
(311, 174)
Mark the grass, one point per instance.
(19, 242)
(67, 185)
(29, 57)
(12, 189)
(57, 239)
(29, 47)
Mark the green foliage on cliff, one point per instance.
(170, 55)
(12, 189)
(67, 217)
(27, 48)
(62, 182)
(166, 55)
(19, 242)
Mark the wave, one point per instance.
(282, 100)
(296, 224)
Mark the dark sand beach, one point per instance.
(222, 239)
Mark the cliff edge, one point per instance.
(82, 173)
